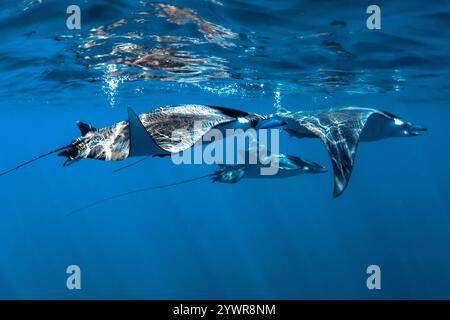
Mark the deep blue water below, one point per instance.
(257, 239)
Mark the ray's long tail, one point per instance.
(37, 158)
(131, 164)
(121, 195)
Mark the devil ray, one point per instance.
(341, 129)
(288, 166)
(152, 133)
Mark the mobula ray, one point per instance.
(288, 166)
(154, 133)
(341, 129)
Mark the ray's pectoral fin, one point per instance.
(340, 131)
(341, 141)
(141, 143)
(342, 150)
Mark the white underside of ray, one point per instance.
(178, 128)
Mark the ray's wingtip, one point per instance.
(337, 192)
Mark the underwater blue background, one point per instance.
(258, 239)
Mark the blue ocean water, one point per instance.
(258, 239)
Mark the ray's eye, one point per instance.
(253, 123)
